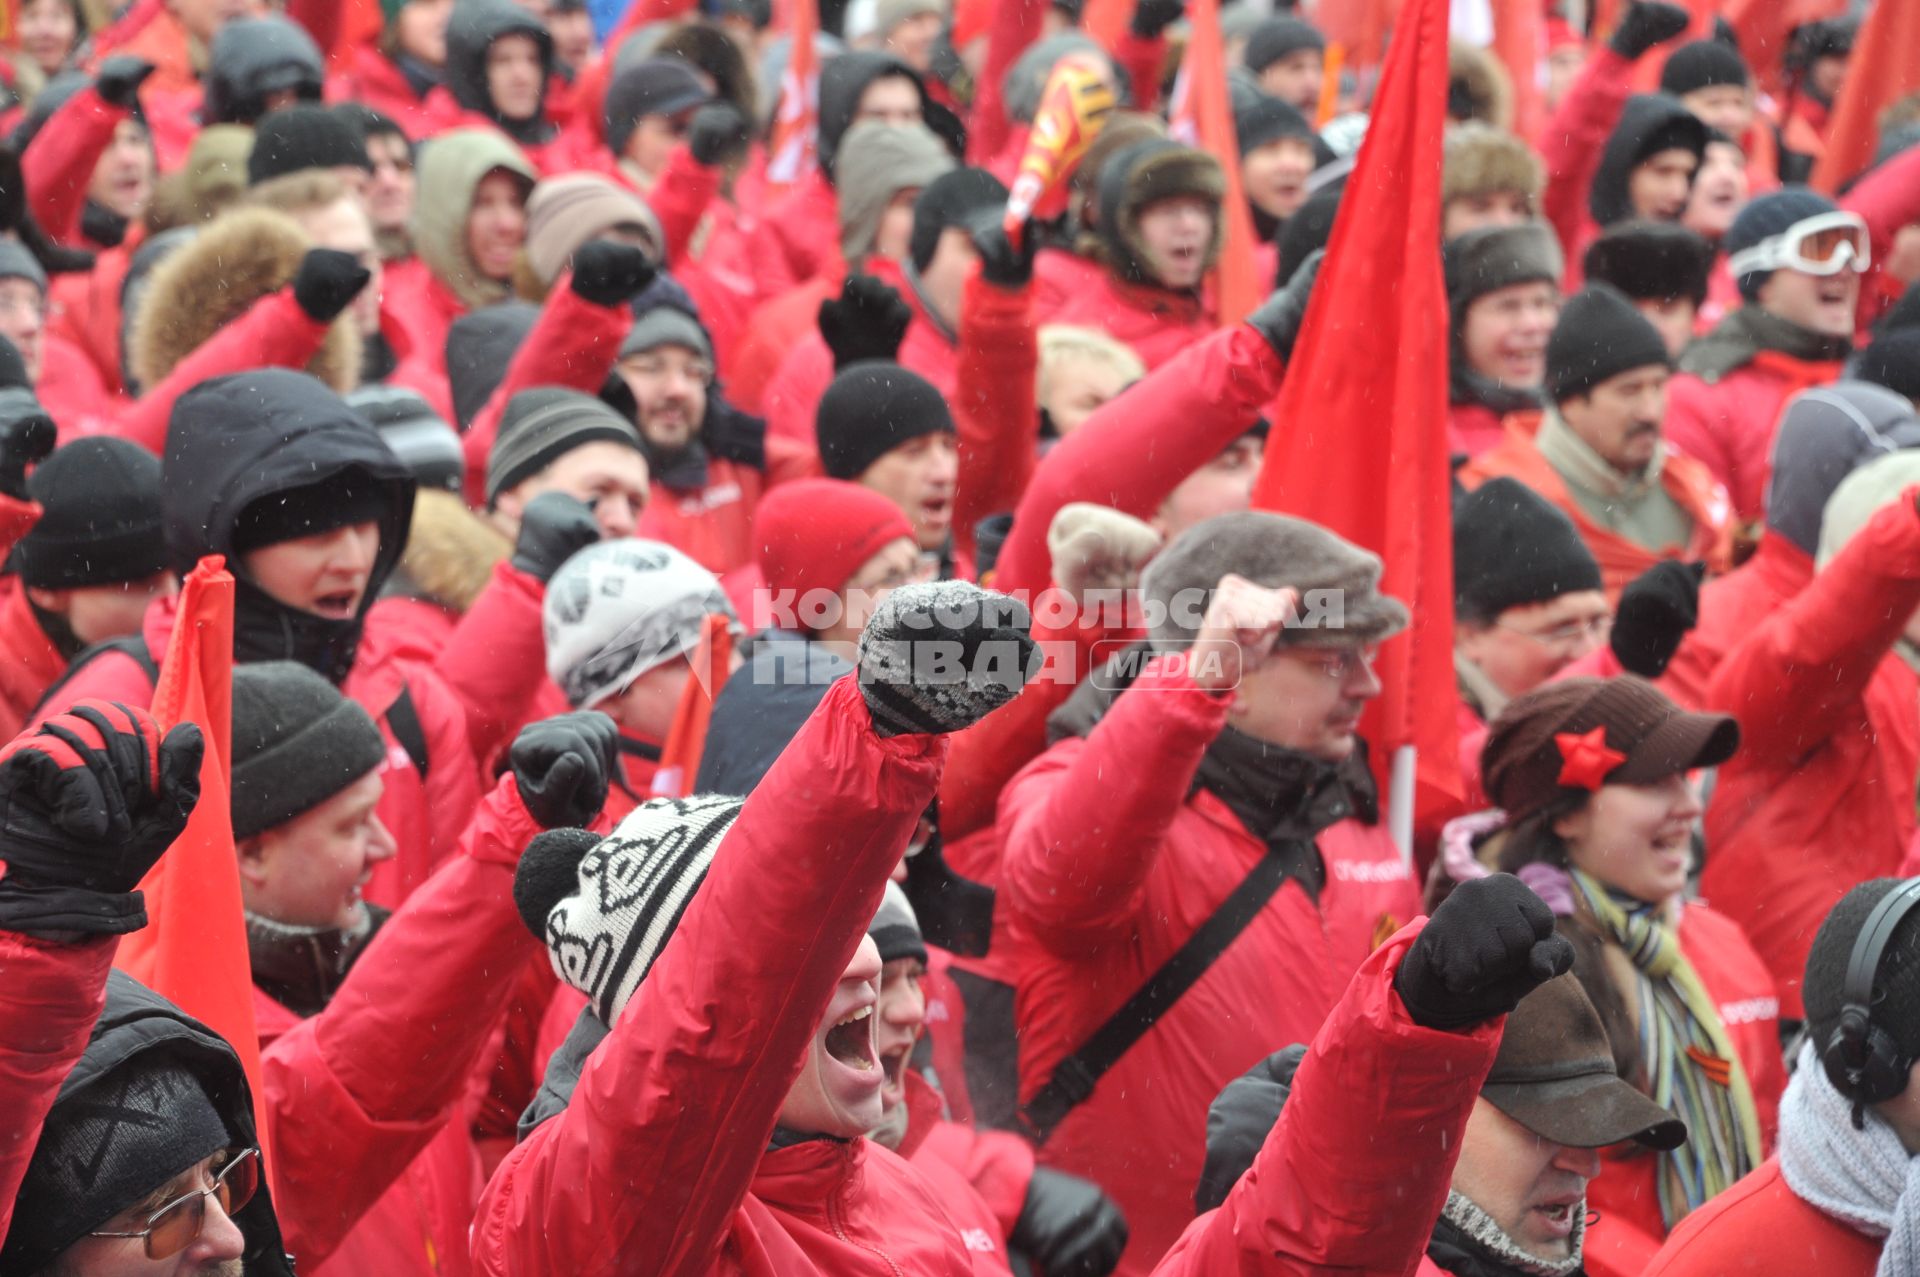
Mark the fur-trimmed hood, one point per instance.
(1142, 174)
(451, 552)
(241, 257)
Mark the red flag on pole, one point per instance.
(193, 950)
(1885, 65)
(796, 123)
(712, 661)
(1202, 116)
(1360, 441)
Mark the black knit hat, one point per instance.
(296, 743)
(1276, 38)
(871, 409)
(1512, 548)
(1767, 215)
(956, 198)
(895, 929)
(1703, 64)
(1599, 335)
(302, 136)
(1896, 986)
(100, 517)
(351, 496)
(1651, 261)
(1893, 361)
(545, 423)
(653, 86)
(1264, 119)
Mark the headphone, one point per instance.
(1863, 1061)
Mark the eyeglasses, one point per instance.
(175, 1226)
(1823, 245)
(1567, 633)
(1337, 665)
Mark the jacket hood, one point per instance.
(451, 552)
(450, 171)
(200, 288)
(254, 57)
(1649, 123)
(1150, 171)
(761, 707)
(1824, 435)
(842, 81)
(471, 31)
(136, 1021)
(480, 345)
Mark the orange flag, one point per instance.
(1202, 116)
(193, 950)
(1360, 438)
(1885, 65)
(796, 124)
(686, 740)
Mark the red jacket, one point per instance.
(1354, 1174)
(1157, 322)
(1572, 144)
(1821, 794)
(366, 75)
(799, 237)
(997, 365)
(1728, 425)
(1473, 429)
(981, 1176)
(1759, 1228)
(1730, 607)
(29, 662)
(659, 1163)
(58, 163)
(425, 309)
(1111, 862)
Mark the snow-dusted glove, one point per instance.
(1094, 547)
(327, 282)
(1646, 24)
(940, 656)
(27, 435)
(1656, 611)
(1487, 946)
(1005, 263)
(1153, 17)
(120, 78)
(1068, 1226)
(610, 274)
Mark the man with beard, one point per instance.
(1597, 451)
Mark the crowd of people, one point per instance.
(769, 737)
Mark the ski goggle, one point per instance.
(1822, 245)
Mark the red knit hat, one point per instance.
(813, 534)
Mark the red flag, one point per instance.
(796, 124)
(686, 741)
(1885, 65)
(1202, 116)
(1360, 442)
(1016, 24)
(194, 948)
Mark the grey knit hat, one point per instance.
(896, 928)
(1339, 583)
(545, 423)
(667, 325)
(17, 263)
(619, 608)
(296, 743)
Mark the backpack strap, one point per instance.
(404, 719)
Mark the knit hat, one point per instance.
(1542, 749)
(1026, 80)
(302, 136)
(1767, 215)
(652, 86)
(543, 424)
(1264, 119)
(872, 408)
(17, 263)
(296, 743)
(1651, 261)
(1895, 1007)
(348, 497)
(619, 608)
(1893, 361)
(1481, 160)
(1703, 64)
(877, 162)
(1276, 38)
(565, 212)
(1339, 583)
(958, 198)
(100, 517)
(480, 345)
(666, 325)
(145, 1122)
(895, 929)
(1599, 335)
(606, 907)
(1513, 548)
(813, 534)
(1490, 258)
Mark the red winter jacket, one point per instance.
(1730, 607)
(1354, 1174)
(368, 76)
(1760, 1228)
(981, 1176)
(1111, 861)
(1572, 143)
(799, 237)
(58, 164)
(1821, 794)
(29, 662)
(660, 1162)
(425, 309)
(998, 365)
(1728, 425)
(1158, 323)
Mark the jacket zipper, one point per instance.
(834, 1216)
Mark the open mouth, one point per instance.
(851, 1041)
(337, 606)
(1558, 1216)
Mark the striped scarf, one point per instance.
(1692, 1070)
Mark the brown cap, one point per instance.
(1532, 758)
(1554, 1075)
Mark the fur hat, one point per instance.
(1477, 86)
(1143, 175)
(1649, 260)
(1483, 160)
(1495, 257)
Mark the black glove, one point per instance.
(1239, 1121)
(27, 435)
(1068, 1226)
(119, 80)
(610, 274)
(1003, 263)
(1279, 317)
(1647, 23)
(718, 134)
(327, 283)
(553, 528)
(866, 321)
(87, 805)
(940, 656)
(1488, 945)
(1656, 610)
(1151, 17)
(563, 765)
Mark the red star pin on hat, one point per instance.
(1586, 760)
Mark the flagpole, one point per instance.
(1400, 801)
